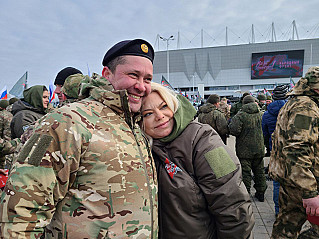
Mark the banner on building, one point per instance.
(279, 64)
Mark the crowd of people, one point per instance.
(124, 157)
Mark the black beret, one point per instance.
(65, 73)
(136, 47)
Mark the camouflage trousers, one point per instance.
(292, 214)
(257, 167)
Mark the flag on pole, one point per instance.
(4, 93)
(51, 92)
(164, 82)
(20, 86)
(266, 92)
(292, 83)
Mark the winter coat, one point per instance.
(201, 192)
(235, 108)
(24, 115)
(209, 114)
(269, 119)
(294, 159)
(85, 173)
(27, 111)
(246, 126)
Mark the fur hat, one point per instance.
(249, 99)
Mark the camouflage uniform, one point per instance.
(294, 158)
(5, 131)
(86, 172)
(71, 88)
(209, 114)
(224, 108)
(246, 126)
(235, 108)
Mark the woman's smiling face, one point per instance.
(158, 118)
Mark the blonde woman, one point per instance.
(201, 193)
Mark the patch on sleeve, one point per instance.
(42, 143)
(302, 122)
(40, 150)
(220, 162)
(27, 148)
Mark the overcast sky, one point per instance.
(42, 37)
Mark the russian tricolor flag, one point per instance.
(51, 92)
(4, 93)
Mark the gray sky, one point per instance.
(42, 37)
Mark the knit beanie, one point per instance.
(280, 91)
(249, 99)
(64, 73)
(4, 104)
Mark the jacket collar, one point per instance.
(100, 89)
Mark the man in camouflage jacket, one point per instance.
(210, 114)
(250, 149)
(224, 108)
(5, 131)
(294, 160)
(87, 172)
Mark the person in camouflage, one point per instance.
(60, 80)
(11, 102)
(235, 108)
(209, 114)
(250, 149)
(294, 161)
(87, 171)
(224, 108)
(5, 131)
(71, 88)
(262, 101)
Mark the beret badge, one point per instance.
(144, 48)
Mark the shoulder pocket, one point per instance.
(220, 162)
(302, 121)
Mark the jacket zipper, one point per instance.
(147, 180)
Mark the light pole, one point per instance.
(167, 40)
(193, 85)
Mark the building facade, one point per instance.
(226, 70)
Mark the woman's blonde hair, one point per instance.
(168, 95)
